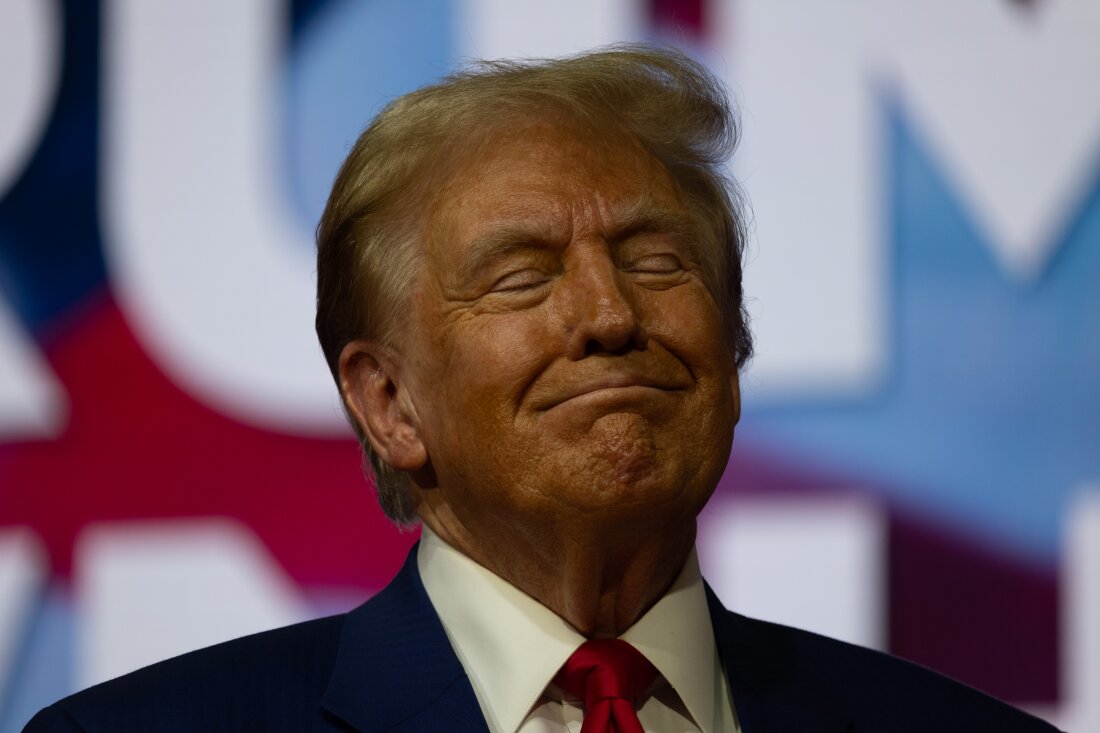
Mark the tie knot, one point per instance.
(603, 669)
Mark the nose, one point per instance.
(604, 318)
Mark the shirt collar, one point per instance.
(677, 637)
(511, 646)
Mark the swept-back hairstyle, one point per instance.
(368, 237)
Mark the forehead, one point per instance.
(544, 180)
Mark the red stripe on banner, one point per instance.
(953, 604)
(678, 17)
(138, 447)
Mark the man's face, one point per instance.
(565, 362)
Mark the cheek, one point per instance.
(689, 322)
(492, 360)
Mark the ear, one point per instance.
(735, 386)
(378, 400)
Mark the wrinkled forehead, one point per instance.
(539, 179)
(483, 189)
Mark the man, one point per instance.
(529, 292)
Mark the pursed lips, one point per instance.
(611, 379)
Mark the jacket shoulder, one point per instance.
(875, 690)
(272, 681)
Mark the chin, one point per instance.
(638, 489)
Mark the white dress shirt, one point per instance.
(511, 646)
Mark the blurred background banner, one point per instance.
(918, 464)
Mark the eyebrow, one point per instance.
(644, 216)
(501, 242)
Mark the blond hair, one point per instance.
(367, 239)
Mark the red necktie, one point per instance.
(610, 676)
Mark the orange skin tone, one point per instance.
(564, 398)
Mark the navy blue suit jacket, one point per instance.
(388, 666)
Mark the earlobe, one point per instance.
(735, 385)
(372, 389)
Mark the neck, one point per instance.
(599, 579)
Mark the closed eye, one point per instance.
(519, 281)
(655, 264)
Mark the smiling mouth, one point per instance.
(615, 386)
(612, 387)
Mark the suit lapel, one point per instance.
(771, 694)
(396, 670)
